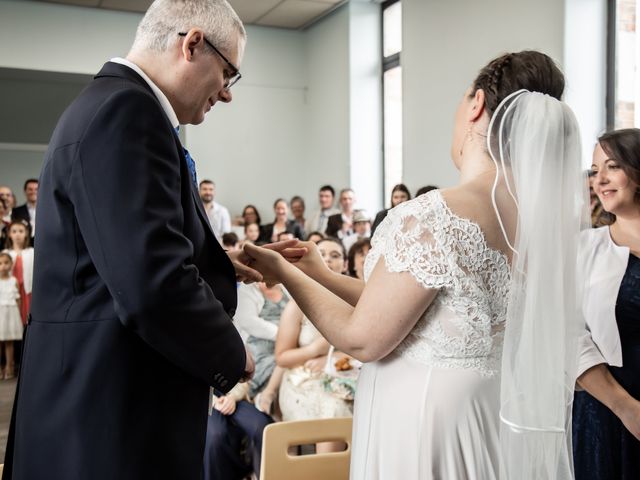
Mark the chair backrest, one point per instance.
(277, 464)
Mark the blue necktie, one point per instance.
(191, 165)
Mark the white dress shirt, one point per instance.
(219, 219)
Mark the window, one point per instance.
(392, 95)
(623, 83)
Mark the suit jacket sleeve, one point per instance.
(126, 191)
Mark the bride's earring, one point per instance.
(468, 137)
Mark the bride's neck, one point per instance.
(475, 166)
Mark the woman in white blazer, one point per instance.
(606, 420)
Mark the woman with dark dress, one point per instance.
(606, 414)
(400, 193)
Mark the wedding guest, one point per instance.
(318, 221)
(425, 189)
(230, 241)
(399, 193)
(361, 229)
(606, 422)
(340, 224)
(355, 259)
(233, 445)
(27, 212)
(315, 237)
(252, 232)
(4, 225)
(218, 214)
(10, 324)
(18, 245)
(9, 198)
(257, 319)
(280, 224)
(297, 210)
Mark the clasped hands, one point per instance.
(267, 263)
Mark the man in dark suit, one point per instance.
(341, 224)
(133, 297)
(27, 212)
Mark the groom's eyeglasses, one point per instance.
(230, 80)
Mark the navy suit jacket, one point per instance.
(132, 300)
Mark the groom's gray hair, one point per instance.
(159, 27)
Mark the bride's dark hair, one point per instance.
(531, 70)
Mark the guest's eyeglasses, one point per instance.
(231, 79)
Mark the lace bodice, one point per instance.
(464, 325)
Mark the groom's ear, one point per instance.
(476, 106)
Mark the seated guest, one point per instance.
(400, 193)
(257, 319)
(233, 445)
(281, 223)
(315, 237)
(297, 210)
(302, 351)
(341, 224)
(218, 215)
(251, 232)
(4, 225)
(27, 212)
(318, 221)
(355, 258)
(230, 241)
(361, 229)
(9, 198)
(282, 236)
(425, 189)
(249, 215)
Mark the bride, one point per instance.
(468, 321)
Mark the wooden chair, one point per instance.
(277, 464)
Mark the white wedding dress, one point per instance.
(430, 410)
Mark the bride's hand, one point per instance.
(269, 262)
(311, 263)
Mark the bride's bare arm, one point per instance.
(388, 308)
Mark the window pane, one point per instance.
(392, 130)
(627, 85)
(392, 29)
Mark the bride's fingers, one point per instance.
(283, 245)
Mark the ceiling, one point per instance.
(294, 14)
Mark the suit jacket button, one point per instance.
(223, 383)
(232, 312)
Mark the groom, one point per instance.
(133, 297)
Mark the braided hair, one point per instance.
(531, 70)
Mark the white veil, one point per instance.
(534, 140)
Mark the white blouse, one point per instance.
(602, 265)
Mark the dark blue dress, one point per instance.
(603, 449)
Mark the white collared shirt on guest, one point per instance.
(602, 264)
(219, 219)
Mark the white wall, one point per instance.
(254, 148)
(445, 43)
(326, 159)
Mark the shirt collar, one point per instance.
(162, 98)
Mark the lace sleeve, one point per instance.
(412, 238)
